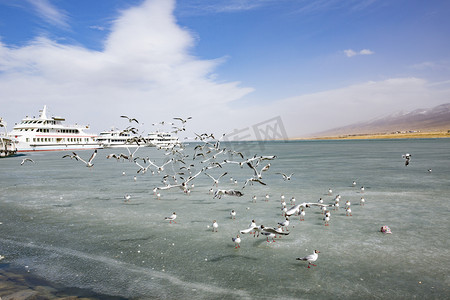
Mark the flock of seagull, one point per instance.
(179, 171)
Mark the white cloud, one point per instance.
(366, 52)
(311, 113)
(97, 27)
(351, 52)
(145, 70)
(223, 6)
(50, 13)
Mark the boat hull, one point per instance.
(68, 147)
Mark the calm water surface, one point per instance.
(69, 224)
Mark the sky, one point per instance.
(232, 65)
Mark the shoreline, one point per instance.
(373, 136)
(20, 284)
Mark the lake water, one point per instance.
(70, 224)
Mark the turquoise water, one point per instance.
(70, 225)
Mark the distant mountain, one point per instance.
(433, 119)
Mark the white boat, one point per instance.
(7, 144)
(117, 138)
(162, 139)
(50, 134)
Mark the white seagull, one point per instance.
(183, 120)
(251, 228)
(284, 224)
(286, 177)
(326, 220)
(161, 168)
(130, 119)
(88, 163)
(237, 241)
(302, 215)
(348, 211)
(269, 235)
(25, 160)
(215, 226)
(296, 209)
(310, 258)
(258, 175)
(216, 181)
(251, 180)
(171, 218)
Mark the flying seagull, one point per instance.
(183, 120)
(216, 181)
(286, 177)
(25, 160)
(130, 119)
(88, 163)
(407, 157)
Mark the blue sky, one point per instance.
(229, 64)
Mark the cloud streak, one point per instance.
(351, 52)
(49, 13)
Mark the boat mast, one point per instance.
(43, 112)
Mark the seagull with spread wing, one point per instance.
(25, 160)
(258, 175)
(130, 119)
(88, 163)
(286, 177)
(216, 181)
(183, 120)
